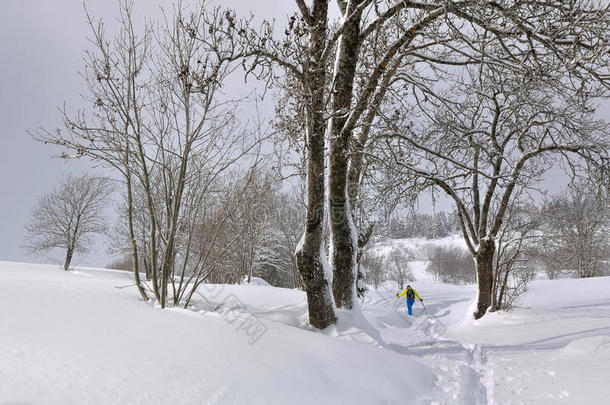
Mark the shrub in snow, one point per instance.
(451, 264)
(576, 238)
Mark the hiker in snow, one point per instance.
(410, 296)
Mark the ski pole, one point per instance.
(425, 309)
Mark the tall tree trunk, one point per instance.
(68, 260)
(496, 281)
(503, 290)
(132, 237)
(356, 168)
(296, 276)
(309, 255)
(343, 239)
(484, 259)
(363, 239)
(494, 292)
(147, 269)
(317, 286)
(343, 234)
(310, 252)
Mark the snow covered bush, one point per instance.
(374, 268)
(451, 264)
(399, 268)
(577, 235)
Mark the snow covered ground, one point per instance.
(81, 338)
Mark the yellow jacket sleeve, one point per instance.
(405, 291)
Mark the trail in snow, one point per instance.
(462, 371)
(553, 350)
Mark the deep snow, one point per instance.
(83, 337)
(73, 338)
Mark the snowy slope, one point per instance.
(74, 338)
(416, 248)
(555, 349)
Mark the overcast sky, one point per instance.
(41, 44)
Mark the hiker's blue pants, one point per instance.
(410, 306)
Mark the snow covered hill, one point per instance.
(84, 338)
(74, 338)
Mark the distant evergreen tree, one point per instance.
(429, 226)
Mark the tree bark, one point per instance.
(344, 240)
(363, 239)
(309, 253)
(309, 258)
(132, 237)
(319, 299)
(484, 260)
(502, 290)
(68, 260)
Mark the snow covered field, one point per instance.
(75, 338)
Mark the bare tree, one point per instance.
(340, 76)
(289, 220)
(113, 133)
(576, 228)
(253, 223)
(451, 264)
(162, 122)
(490, 137)
(374, 268)
(69, 216)
(122, 263)
(275, 261)
(399, 268)
(304, 56)
(207, 236)
(210, 248)
(514, 267)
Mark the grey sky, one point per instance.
(41, 43)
